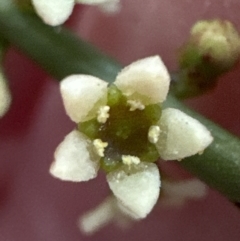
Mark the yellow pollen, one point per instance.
(100, 146)
(153, 134)
(128, 160)
(135, 105)
(103, 114)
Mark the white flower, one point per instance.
(5, 96)
(56, 12)
(121, 128)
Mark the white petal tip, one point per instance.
(95, 219)
(74, 159)
(107, 6)
(5, 97)
(54, 12)
(111, 7)
(181, 136)
(136, 188)
(146, 80)
(82, 96)
(178, 193)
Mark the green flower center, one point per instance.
(125, 131)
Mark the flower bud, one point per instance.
(218, 40)
(212, 49)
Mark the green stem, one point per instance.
(57, 50)
(62, 54)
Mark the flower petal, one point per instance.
(136, 188)
(176, 193)
(98, 217)
(82, 96)
(146, 80)
(74, 159)
(111, 7)
(54, 12)
(108, 6)
(181, 135)
(5, 96)
(95, 2)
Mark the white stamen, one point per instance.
(135, 105)
(103, 114)
(153, 134)
(128, 160)
(100, 146)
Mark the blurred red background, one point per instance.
(35, 206)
